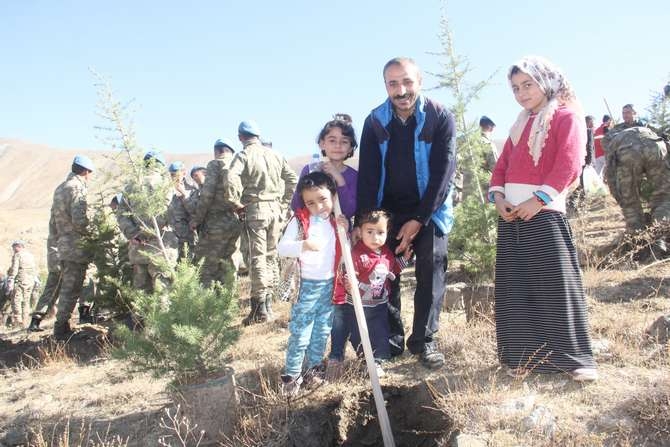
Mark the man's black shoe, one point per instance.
(431, 358)
(35, 325)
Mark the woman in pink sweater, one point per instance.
(541, 317)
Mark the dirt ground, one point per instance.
(49, 392)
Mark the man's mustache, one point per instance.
(401, 97)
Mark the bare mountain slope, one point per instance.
(32, 171)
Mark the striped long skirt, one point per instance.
(541, 316)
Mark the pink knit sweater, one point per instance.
(561, 162)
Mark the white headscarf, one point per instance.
(555, 86)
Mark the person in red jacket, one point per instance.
(541, 317)
(376, 267)
(599, 152)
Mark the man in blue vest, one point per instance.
(411, 134)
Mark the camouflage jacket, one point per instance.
(260, 174)
(179, 214)
(211, 203)
(138, 229)
(615, 130)
(634, 135)
(70, 219)
(640, 139)
(23, 269)
(191, 203)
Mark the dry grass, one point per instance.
(651, 411)
(482, 400)
(62, 435)
(51, 353)
(628, 406)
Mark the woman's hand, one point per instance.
(504, 208)
(528, 209)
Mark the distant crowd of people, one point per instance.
(396, 209)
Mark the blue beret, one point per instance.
(156, 155)
(175, 166)
(84, 162)
(224, 143)
(249, 127)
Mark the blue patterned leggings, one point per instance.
(311, 320)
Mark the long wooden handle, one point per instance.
(384, 423)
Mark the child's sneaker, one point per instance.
(380, 370)
(290, 386)
(378, 367)
(334, 370)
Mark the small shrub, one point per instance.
(110, 256)
(184, 327)
(473, 239)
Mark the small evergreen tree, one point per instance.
(182, 327)
(473, 239)
(659, 112)
(185, 327)
(110, 257)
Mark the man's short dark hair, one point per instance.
(247, 136)
(399, 61)
(607, 118)
(78, 170)
(220, 148)
(485, 121)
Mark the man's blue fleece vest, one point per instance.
(426, 120)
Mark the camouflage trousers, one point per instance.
(21, 303)
(263, 227)
(146, 275)
(72, 283)
(49, 295)
(626, 170)
(216, 249)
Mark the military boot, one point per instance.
(85, 314)
(35, 324)
(257, 314)
(62, 331)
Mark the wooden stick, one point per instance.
(384, 422)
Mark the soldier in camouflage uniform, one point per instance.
(52, 287)
(261, 185)
(198, 175)
(634, 151)
(219, 227)
(144, 247)
(178, 214)
(21, 277)
(69, 214)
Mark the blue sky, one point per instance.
(195, 69)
